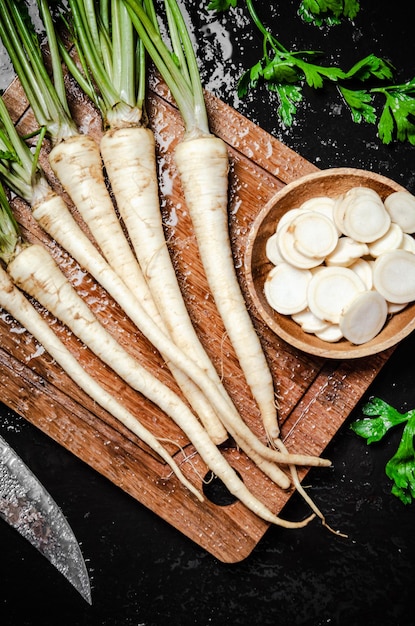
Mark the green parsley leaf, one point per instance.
(288, 96)
(359, 102)
(401, 467)
(6, 155)
(280, 71)
(329, 12)
(386, 125)
(370, 67)
(351, 8)
(374, 429)
(398, 115)
(287, 73)
(315, 74)
(221, 5)
(249, 79)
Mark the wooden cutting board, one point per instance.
(315, 395)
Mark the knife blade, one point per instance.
(29, 508)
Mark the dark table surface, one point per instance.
(145, 573)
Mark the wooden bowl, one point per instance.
(331, 182)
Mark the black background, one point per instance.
(145, 573)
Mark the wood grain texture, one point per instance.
(315, 395)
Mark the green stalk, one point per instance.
(403, 88)
(188, 96)
(47, 100)
(88, 8)
(112, 59)
(176, 43)
(9, 229)
(20, 170)
(81, 78)
(197, 89)
(18, 165)
(104, 13)
(124, 50)
(268, 37)
(57, 73)
(14, 155)
(87, 42)
(12, 42)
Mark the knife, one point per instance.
(28, 507)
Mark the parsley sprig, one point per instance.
(398, 113)
(401, 467)
(369, 82)
(329, 12)
(221, 5)
(318, 12)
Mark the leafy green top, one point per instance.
(401, 467)
(111, 59)
(318, 12)
(221, 5)
(45, 94)
(286, 72)
(177, 64)
(19, 166)
(13, 164)
(328, 12)
(9, 229)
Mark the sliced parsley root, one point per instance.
(401, 467)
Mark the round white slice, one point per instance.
(323, 204)
(363, 269)
(285, 288)
(315, 235)
(408, 243)
(342, 202)
(347, 252)
(363, 215)
(401, 207)
(394, 276)
(364, 317)
(331, 334)
(289, 252)
(272, 251)
(309, 322)
(331, 290)
(396, 308)
(391, 240)
(339, 209)
(287, 217)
